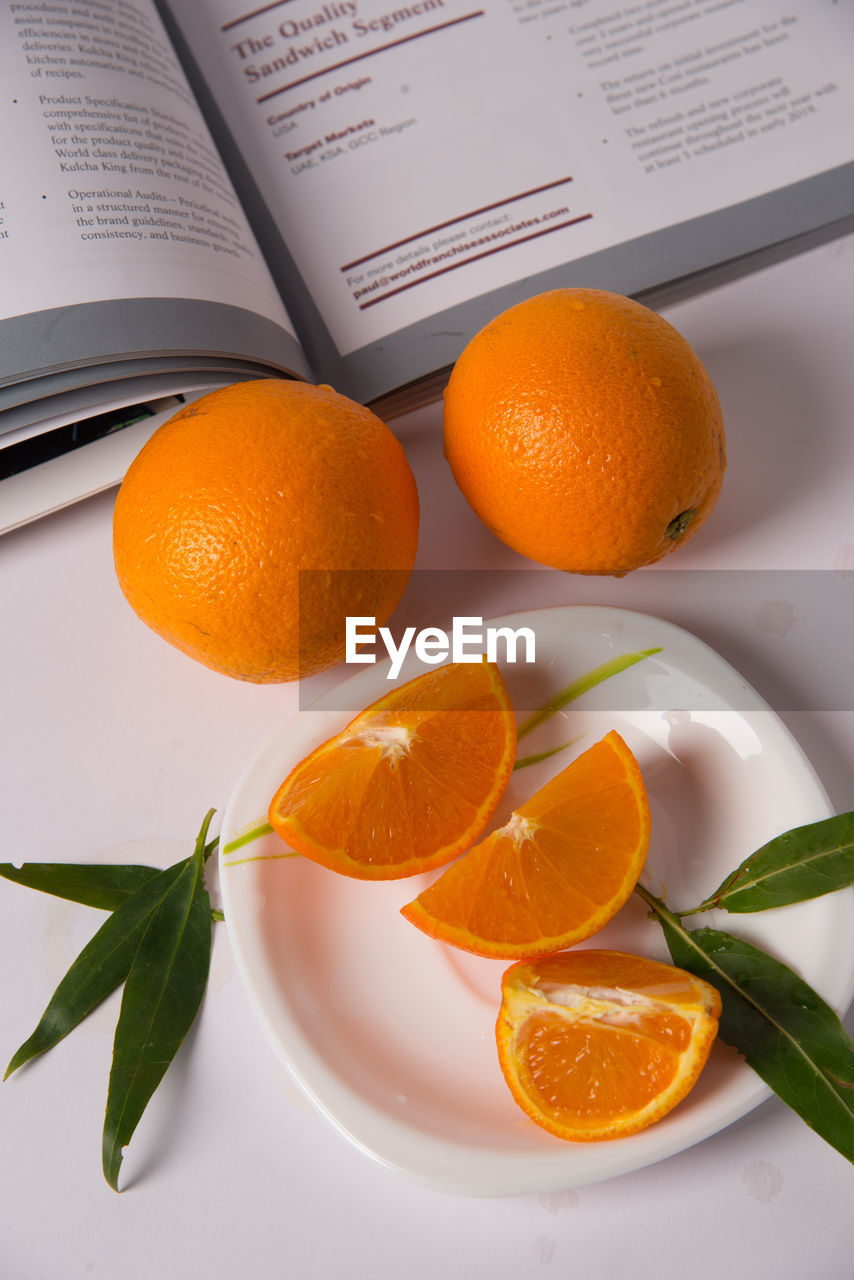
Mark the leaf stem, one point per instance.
(588, 681)
(524, 761)
(659, 906)
(263, 829)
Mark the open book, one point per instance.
(193, 192)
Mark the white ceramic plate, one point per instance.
(391, 1034)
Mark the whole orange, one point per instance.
(257, 519)
(584, 431)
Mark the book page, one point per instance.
(110, 186)
(418, 156)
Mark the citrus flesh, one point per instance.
(583, 429)
(597, 1044)
(556, 872)
(409, 783)
(257, 519)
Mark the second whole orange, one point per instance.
(583, 429)
(257, 519)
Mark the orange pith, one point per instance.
(584, 431)
(556, 872)
(409, 783)
(597, 1044)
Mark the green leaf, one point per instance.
(803, 863)
(101, 966)
(612, 667)
(91, 884)
(161, 998)
(790, 1037)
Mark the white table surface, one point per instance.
(114, 745)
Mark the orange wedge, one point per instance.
(409, 783)
(556, 872)
(597, 1044)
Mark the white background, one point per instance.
(114, 746)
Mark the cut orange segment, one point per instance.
(597, 1044)
(556, 872)
(410, 782)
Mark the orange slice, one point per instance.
(597, 1044)
(410, 782)
(556, 872)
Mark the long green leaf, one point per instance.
(786, 1032)
(161, 998)
(91, 884)
(803, 863)
(101, 966)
